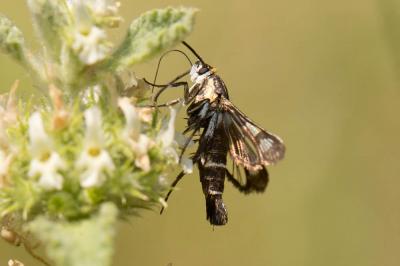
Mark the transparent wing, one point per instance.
(251, 149)
(250, 145)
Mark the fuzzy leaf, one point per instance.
(151, 33)
(12, 43)
(50, 19)
(88, 242)
(11, 39)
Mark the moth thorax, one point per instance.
(199, 72)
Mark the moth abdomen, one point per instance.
(212, 178)
(216, 211)
(212, 168)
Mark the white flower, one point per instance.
(182, 141)
(91, 45)
(94, 160)
(187, 165)
(146, 114)
(132, 119)
(166, 136)
(89, 41)
(103, 7)
(8, 114)
(163, 203)
(40, 141)
(5, 160)
(80, 13)
(98, 7)
(138, 142)
(8, 105)
(47, 167)
(141, 148)
(131, 86)
(91, 94)
(46, 163)
(169, 141)
(128, 79)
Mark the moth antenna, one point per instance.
(193, 51)
(159, 63)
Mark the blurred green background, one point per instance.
(325, 76)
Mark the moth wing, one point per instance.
(254, 181)
(251, 148)
(250, 145)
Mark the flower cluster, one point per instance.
(94, 140)
(120, 156)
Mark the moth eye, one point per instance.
(203, 70)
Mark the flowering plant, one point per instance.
(85, 151)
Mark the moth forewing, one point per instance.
(269, 147)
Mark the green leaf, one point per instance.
(12, 43)
(11, 39)
(151, 33)
(50, 20)
(88, 242)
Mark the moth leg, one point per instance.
(236, 184)
(167, 104)
(255, 182)
(177, 179)
(173, 83)
(170, 85)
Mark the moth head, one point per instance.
(200, 71)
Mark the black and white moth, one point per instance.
(222, 128)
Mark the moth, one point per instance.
(222, 129)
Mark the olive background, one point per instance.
(323, 75)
